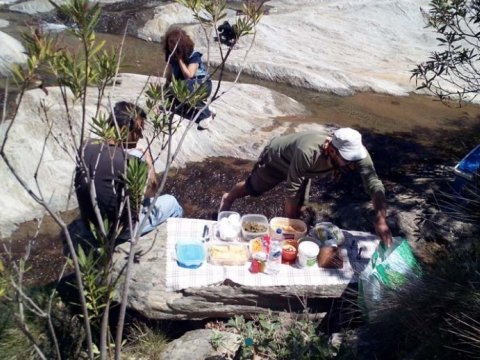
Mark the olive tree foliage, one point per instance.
(93, 68)
(452, 72)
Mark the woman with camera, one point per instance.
(185, 63)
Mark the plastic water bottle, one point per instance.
(278, 235)
(274, 257)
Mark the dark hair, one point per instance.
(178, 39)
(125, 114)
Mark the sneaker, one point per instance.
(204, 124)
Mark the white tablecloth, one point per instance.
(357, 250)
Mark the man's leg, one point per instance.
(239, 190)
(165, 207)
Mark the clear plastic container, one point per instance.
(291, 228)
(190, 253)
(228, 226)
(254, 225)
(228, 254)
(326, 231)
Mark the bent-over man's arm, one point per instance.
(374, 187)
(381, 227)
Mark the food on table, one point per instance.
(256, 245)
(255, 266)
(190, 254)
(254, 227)
(232, 254)
(291, 228)
(229, 227)
(289, 253)
(258, 262)
(307, 253)
(330, 257)
(326, 231)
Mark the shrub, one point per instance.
(287, 336)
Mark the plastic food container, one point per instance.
(289, 251)
(254, 225)
(307, 253)
(256, 246)
(228, 225)
(326, 231)
(190, 253)
(291, 228)
(228, 254)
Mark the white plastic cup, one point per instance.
(307, 253)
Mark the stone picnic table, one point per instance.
(150, 297)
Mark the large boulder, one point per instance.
(149, 297)
(33, 7)
(197, 345)
(243, 125)
(341, 46)
(11, 52)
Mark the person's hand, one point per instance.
(383, 232)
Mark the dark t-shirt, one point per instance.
(106, 165)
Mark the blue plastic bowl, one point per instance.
(190, 254)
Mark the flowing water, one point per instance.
(406, 135)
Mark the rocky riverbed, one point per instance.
(335, 46)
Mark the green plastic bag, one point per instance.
(389, 268)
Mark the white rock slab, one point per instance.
(11, 51)
(342, 46)
(166, 15)
(4, 23)
(42, 6)
(246, 115)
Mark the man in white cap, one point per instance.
(299, 157)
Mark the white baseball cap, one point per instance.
(348, 142)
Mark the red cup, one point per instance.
(289, 251)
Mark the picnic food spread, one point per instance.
(228, 254)
(237, 240)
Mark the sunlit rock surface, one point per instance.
(42, 6)
(11, 51)
(342, 46)
(245, 122)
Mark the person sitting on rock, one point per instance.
(297, 158)
(185, 63)
(102, 175)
